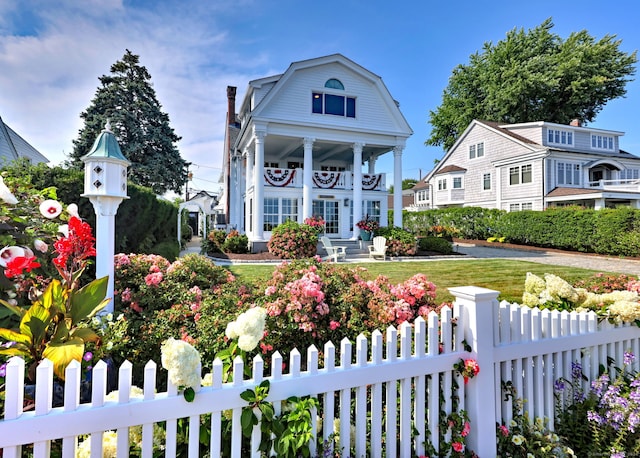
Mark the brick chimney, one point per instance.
(575, 123)
(231, 105)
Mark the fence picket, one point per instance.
(376, 396)
(391, 395)
(345, 400)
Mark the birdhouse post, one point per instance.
(105, 184)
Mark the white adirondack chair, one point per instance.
(333, 252)
(378, 248)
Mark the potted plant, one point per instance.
(367, 226)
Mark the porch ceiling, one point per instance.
(281, 147)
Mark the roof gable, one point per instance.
(289, 98)
(13, 146)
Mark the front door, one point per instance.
(328, 209)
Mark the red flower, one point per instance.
(79, 245)
(17, 265)
(458, 446)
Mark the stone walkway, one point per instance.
(594, 262)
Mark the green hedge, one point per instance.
(613, 231)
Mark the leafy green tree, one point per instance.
(533, 76)
(127, 99)
(407, 183)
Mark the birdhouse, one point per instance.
(105, 168)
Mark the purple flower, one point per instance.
(576, 370)
(88, 356)
(628, 358)
(3, 370)
(558, 386)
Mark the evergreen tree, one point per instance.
(127, 99)
(533, 76)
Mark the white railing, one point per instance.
(616, 185)
(292, 178)
(389, 385)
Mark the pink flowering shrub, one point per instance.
(291, 240)
(312, 302)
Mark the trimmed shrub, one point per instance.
(291, 240)
(437, 244)
(235, 243)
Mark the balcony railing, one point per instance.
(292, 178)
(616, 185)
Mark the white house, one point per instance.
(532, 166)
(298, 144)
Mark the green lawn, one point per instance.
(501, 275)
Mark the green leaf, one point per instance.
(89, 300)
(86, 334)
(14, 308)
(189, 394)
(62, 353)
(16, 350)
(247, 420)
(248, 395)
(13, 336)
(35, 321)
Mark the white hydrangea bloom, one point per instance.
(530, 299)
(182, 361)
(560, 289)
(248, 328)
(618, 296)
(625, 311)
(534, 284)
(109, 446)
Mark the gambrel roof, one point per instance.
(13, 146)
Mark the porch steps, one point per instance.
(355, 248)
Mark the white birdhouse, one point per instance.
(105, 168)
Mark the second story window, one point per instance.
(333, 104)
(520, 174)
(602, 142)
(476, 150)
(560, 137)
(568, 173)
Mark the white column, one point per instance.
(248, 182)
(397, 186)
(372, 165)
(357, 186)
(307, 179)
(599, 203)
(258, 187)
(105, 208)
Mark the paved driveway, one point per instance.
(595, 262)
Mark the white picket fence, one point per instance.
(382, 392)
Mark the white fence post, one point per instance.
(477, 307)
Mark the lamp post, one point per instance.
(105, 184)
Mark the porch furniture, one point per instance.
(378, 248)
(333, 252)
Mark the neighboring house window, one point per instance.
(333, 104)
(442, 184)
(560, 137)
(457, 182)
(514, 207)
(476, 150)
(602, 142)
(520, 174)
(289, 210)
(271, 213)
(568, 173)
(423, 195)
(486, 181)
(527, 206)
(630, 174)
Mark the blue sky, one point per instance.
(53, 51)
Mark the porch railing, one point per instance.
(293, 178)
(616, 185)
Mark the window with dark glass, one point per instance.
(333, 104)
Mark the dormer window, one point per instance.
(560, 137)
(333, 104)
(604, 142)
(334, 84)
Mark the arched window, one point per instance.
(333, 83)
